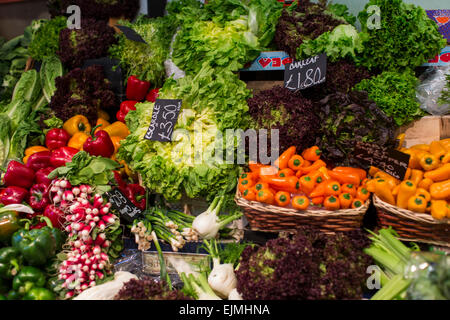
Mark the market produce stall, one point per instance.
(166, 159)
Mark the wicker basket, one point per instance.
(413, 226)
(264, 217)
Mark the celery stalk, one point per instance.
(392, 289)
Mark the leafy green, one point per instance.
(395, 94)
(28, 87)
(145, 60)
(343, 42)
(407, 37)
(51, 69)
(45, 42)
(341, 10)
(27, 131)
(212, 103)
(5, 127)
(86, 169)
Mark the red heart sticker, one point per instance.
(264, 62)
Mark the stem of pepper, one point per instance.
(47, 221)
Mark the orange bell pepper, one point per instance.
(116, 142)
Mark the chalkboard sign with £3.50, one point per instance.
(122, 204)
(390, 161)
(164, 118)
(303, 74)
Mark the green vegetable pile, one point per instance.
(145, 60)
(407, 37)
(211, 102)
(395, 94)
(45, 42)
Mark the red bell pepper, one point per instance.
(125, 107)
(38, 199)
(42, 175)
(19, 175)
(13, 195)
(152, 95)
(55, 215)
(137, 89)
(62, 155)
(136, 194)
(56, 138)
(120, 182)
(99, 144)
(39, 160)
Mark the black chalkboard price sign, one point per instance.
(390, 161)
(164, 117)
(130, 34)
(122, 204)
(303, 74)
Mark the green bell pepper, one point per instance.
(28, 278)
(10, 262)
(36, 246)
(39, 294)
(9, 223)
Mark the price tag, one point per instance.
(122, 204)
(164, 117)
(390, 161)
(303, 74)
(131, 34)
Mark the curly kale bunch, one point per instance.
(349, 117)
(97, 9)
(82, 91)
(91, 41)
(307, 21)
(310, 265)
(148, 289)
(292, 114)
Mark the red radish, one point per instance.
(109, 218)
(99, 275)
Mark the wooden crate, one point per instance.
(426, 130)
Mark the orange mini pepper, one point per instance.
(317, 176)
(319, 190)
(285, 183)
(265, 196)
(249, 194)
(282, 198)
(345, 200)
(255, 167)
(260, 186)
(318, 201)
(307, 184)
(300, 203)
(315, 166)
(296, 162)
(357, 203)
(288, 172)
(245, 184)
(331, 203)
(349, 188)
(283, 159)
(332, 188)
(362, 193)
(350, 177)
(312, 154)
(348, 170)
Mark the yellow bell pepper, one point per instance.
(406, 191)
(383, 191)
(32, 150)
(424, 194)
(437, 150)
(103, 114)
(77, 140)
(425, 184)
(439, 174)
(439, 209)
(78, 123)
(116, 142)
(118, 129)
(102, 123)
(440, 190)
(417, 204)
(429, 162)
(416, 176)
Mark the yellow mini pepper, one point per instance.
(440, 174)
(429, 162)
(423, 147)
(439, 209)
(416, 176)
(406, 191)
(437, 150)
(118, 129)
(388, 178)
(424, 194)
(440, 190)
(417, 204)
(77, 140)
(425, 184)
(383, 191)
(446, 158)
(413, 159)
(78, 123)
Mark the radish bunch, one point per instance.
(87, 217)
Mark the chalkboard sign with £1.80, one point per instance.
(164, 118)
(303, 74)
(390, 161)
(119, 202)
